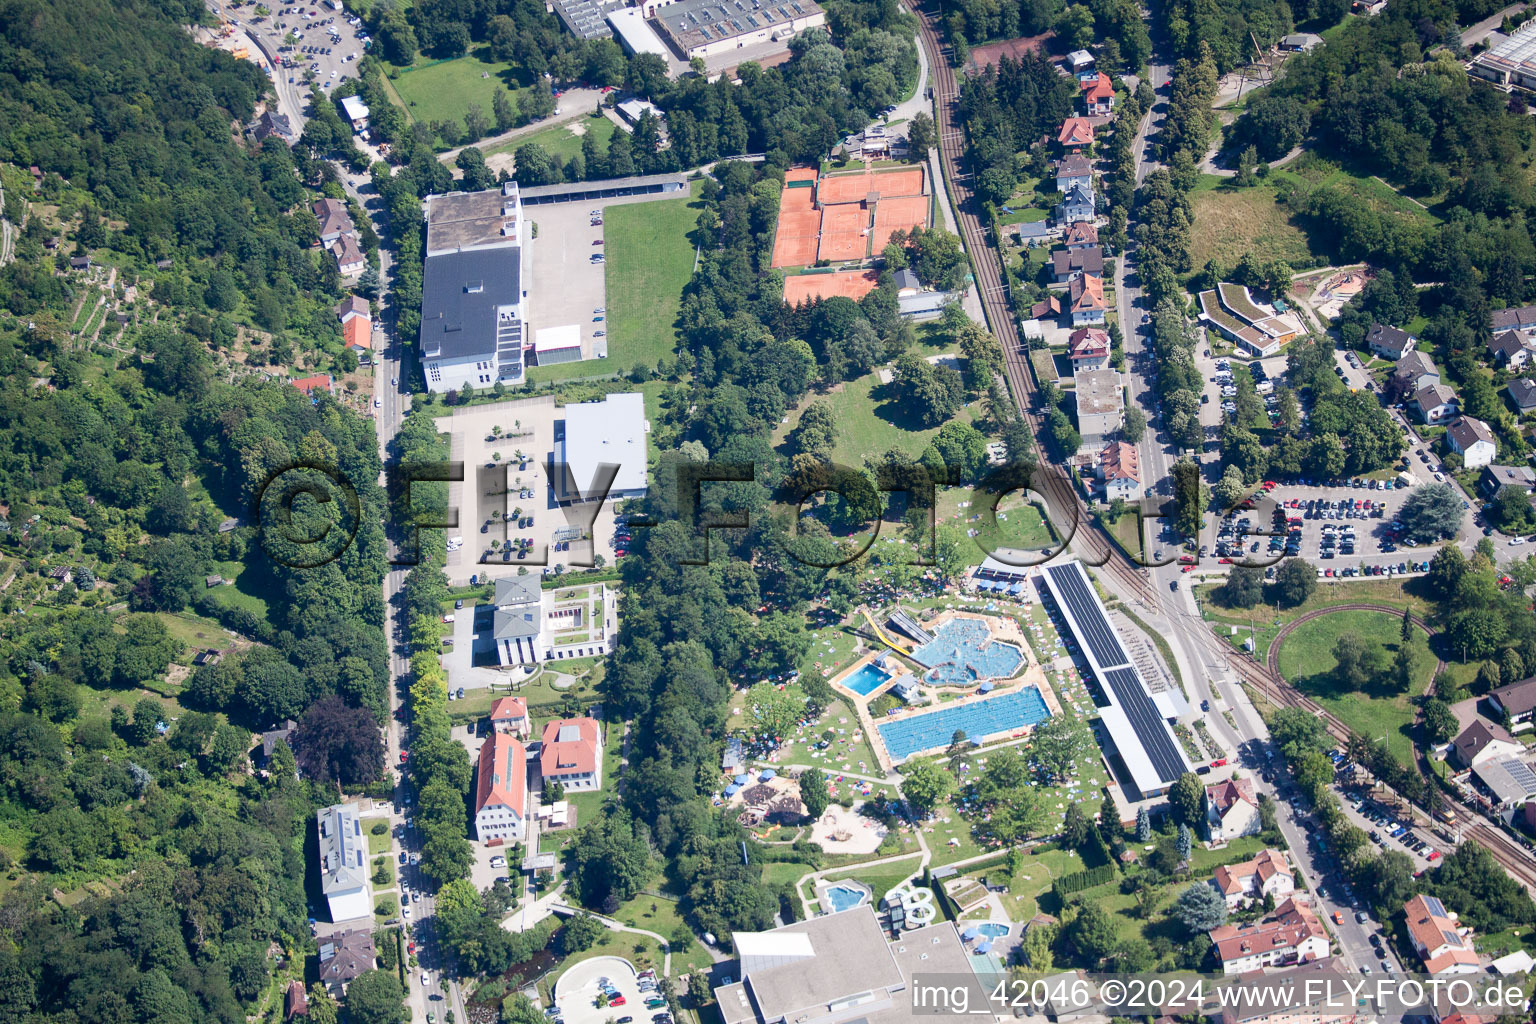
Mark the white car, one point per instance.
(424, 979)
(405, 912)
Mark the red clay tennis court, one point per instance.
(852, 188)
(851, 284)
(795, 243)
(843, 232)
(898, 212)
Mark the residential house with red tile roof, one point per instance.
(571, 753)
(1076, 132)
(1231, 810)
(1081, 234)
(358, 333)
(1291, 935)
(1120, 471)
(1442, 946)
(501, 790)
(1267, 874)
(1087, 303)
(510, 714)
(1099, 94)
(1088, 348)
(309, 384)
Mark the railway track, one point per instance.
(1062, 499)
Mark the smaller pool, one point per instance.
(866, 680)
(992, 930)
(842, 897)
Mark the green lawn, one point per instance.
(444, 91)
(564, 140)
(871, 420)
(377, 844)
(1307, 662)
(1018, 524)
(650, 260)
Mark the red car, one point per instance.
(1434, 855)
(1219, 762)
(1187, 568)
(403, 755)
(1224, 561)
(1186, 559)
(410, 948)
(616, 1001)
(620, 553)
(1270, 485)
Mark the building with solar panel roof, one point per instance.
(1141, 735)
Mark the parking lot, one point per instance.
(567, 287)
(577, 991)
(331, 42)
(1340, 532)
(508, 516)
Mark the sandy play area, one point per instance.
(843, 830)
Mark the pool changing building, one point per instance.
(1136, 720)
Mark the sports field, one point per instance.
(844, 233)
(444, 91)
(898, 213)
(794, 244)
(852, 188)
(851, 284)
(650, 260)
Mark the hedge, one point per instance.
(1068, 884)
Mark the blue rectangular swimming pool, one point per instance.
(979, 718)
(866, 680)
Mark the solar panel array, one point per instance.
(1149, 726)
(1097, 634)
(1521, 773)
(1434, 906)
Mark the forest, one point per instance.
(132, 793)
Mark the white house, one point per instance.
(1120, 471)
(1291, 935)
(1472, 440)
(501, 790)
(344, 862)
(1074, 171)
(356, 111)
(1231, 810)
(1482, 741)
(1435, 403)
(1088, 348)
(1389, 342)
(1267, 874)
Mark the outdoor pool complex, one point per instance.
(1003, 713)
(963, 652)
(866, 680)
(992, 930)
(844, 896)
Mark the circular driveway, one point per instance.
(577, 990)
